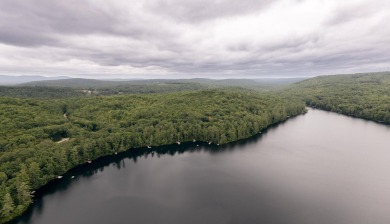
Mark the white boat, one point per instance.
(178, 143)
(149, 147)
(89, 161)
(72, 177)
(59, 177)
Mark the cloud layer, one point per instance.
(193, 38)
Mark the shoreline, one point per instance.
(349, 115)
(40, 192)
(83, 167)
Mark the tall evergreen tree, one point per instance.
(8, 205)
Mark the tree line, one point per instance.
(359, 95)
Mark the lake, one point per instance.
(320, 167)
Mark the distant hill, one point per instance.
(77, 83)
(104, 87)
(280, 81)
(364, 95)
(15, 80)
(40, 92)
(64, 87)
(101, 84)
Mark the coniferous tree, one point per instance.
(8, 205)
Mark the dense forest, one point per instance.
(40, 92)
(359, 95)
(42, 139)
(77, 83)
(65, 88)
(87, 90)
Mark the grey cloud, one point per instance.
(19, 37)
(48, 23)
(258, 63)
(61, 25)
(200, 10)
(38, 22)
(347, 14)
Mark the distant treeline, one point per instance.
(57, 92)
(39, 92)
(68, 88)
(360, 95)
(42, 139)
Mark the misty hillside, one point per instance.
(78, 83)
(15, 80)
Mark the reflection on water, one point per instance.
(316, 168)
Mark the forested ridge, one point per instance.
(39, 92)
(42, 139)
(359, 95)
(92, 89)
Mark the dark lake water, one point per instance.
(316, 168)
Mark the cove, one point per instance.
(320, 167)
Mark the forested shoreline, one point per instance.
(363, 95)
(45, 138)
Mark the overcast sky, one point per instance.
(193, 38)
